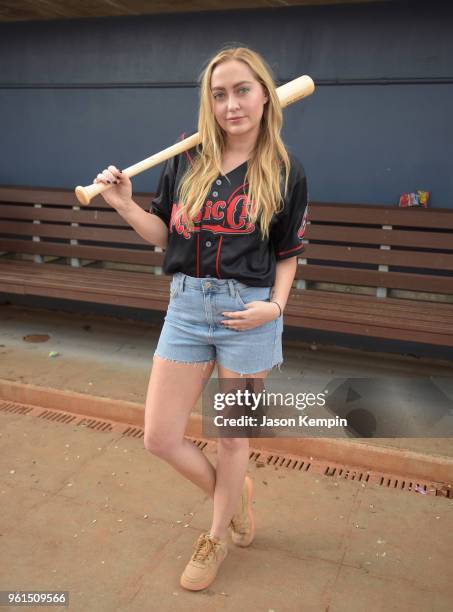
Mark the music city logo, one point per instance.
(218, 217)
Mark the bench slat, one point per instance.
(63, 215)
(381, 215)
(409, 259)
(372, 331)
(421, 311)
(392, 321)
(147, 302)
(59, 197)
(391, 237)
(132, 256)
(89, 276)
(374, 278)
(68, 232)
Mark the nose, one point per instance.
(232, 102)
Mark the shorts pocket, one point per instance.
(245, 295)
(174, 291)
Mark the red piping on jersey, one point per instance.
(198, 256)
(218, 258)
(301, 246)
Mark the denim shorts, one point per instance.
(192, 331)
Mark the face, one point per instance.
(235, 93)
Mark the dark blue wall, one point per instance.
(77, 95)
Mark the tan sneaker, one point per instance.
(204, 563)
(242, 524)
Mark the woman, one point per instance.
(230, 215)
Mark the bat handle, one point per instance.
(86, 194)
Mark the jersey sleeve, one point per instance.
(289, 229)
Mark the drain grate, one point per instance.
(59, 417)
(133, 432)
(261, 459)
(295, 463)
(440, 490)
(347, 474)
(13, 408)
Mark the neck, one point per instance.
(241, 145)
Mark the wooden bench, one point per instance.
(54, 247)
(376, 271)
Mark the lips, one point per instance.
(235, 118)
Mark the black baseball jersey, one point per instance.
(224, 244)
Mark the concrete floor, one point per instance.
(95, 514)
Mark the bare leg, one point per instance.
(232, 461)
(168, 407)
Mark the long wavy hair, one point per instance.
(269, 164)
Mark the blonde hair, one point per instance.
(268, 158)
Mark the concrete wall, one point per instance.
(78, 95)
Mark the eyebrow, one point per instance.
(235, 85)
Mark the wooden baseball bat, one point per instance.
(291, 92)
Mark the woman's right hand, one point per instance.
(120, 193)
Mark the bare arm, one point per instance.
(150, 227)
(284, 276)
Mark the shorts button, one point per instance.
(208, 243)
(207, 285)
(215, 193)
(218, 182)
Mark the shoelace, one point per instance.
(204, 547)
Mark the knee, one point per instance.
(233, 444)
(158, 445)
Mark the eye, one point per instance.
(242, 90)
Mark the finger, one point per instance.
(235, 314)
(228, 323)
(115, 172)
(109, 176)
(104, 178)
(233, 325)
(236, 328)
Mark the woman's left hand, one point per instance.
(256, 313)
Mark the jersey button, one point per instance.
(218, 182)
(215, 193)
(208, 243)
